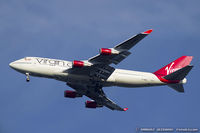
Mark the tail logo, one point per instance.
(169, 70)
(174, 66)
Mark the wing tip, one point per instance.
(125, 109)
(148, 31)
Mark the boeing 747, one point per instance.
(88, 77)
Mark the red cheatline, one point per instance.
(148, 31)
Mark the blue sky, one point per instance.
(76, 29)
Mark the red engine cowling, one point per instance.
(77, 63)
(92, 104)
(105, 51)
(80, 64)
(71, 94)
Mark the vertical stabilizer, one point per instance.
(174, 66)
(175, 72)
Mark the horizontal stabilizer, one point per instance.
(177, 87)
(179, 74)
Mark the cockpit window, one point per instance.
(27, 58)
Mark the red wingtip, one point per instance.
(125, 109)
(148, 31)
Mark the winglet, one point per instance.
(125, 109)
(148, 31)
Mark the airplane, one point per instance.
(88, 77)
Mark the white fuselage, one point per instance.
(57, 69)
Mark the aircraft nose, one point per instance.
(12, 65)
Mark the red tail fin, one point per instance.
(174, 66)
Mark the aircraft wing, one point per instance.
(113, 106)
(121, 49)
(97, 94)
(100, 71)
(93, 88)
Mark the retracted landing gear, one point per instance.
(27, 77)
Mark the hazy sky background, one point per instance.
(76, 29)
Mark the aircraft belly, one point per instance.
(78, 78)
(44, 71)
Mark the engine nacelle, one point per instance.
(92, 104)
(71, 94)
(77, 63)
(107, 51)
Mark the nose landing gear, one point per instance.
(27, 77)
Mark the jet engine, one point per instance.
(107, 51)
(71, 94)
(92, 104)
(77, 63)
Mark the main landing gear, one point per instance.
(27, 77)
